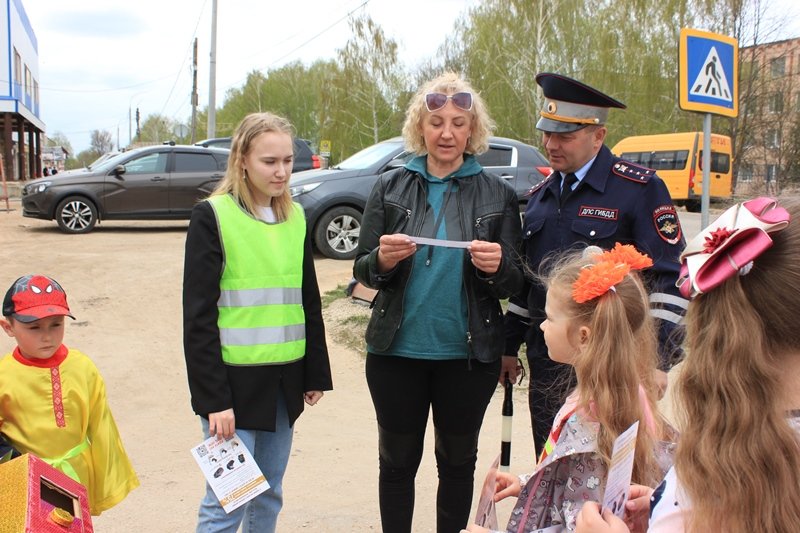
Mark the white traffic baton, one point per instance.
(508, 414)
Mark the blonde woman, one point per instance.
(254, 340)
(436, 334)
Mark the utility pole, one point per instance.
(212, 75)
(194, 91)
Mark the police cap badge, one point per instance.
(570, 105)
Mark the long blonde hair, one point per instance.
(447, 83)
(234, 182)
(738, 458)
(620, 356)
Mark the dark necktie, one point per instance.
(569, 181)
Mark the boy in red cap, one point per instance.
(53, 399)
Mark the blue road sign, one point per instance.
(709, 73)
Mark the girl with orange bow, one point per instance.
(597, 321)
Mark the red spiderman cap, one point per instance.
(34, 297)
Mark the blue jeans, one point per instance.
(271, 453)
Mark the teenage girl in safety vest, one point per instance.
(254, 340)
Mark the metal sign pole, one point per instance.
(706, 162)
(708, 70)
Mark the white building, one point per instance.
(21, 127)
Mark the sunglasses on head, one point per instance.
(436, 101)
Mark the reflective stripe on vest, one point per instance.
(250, 297)
(261, 318)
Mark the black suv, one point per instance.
(304, 157)
(150, 183)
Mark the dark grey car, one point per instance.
(304, 156)
(151, 183)
(334, 198)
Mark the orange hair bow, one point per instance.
(610, 268)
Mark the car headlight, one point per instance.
(37, 187)
(302, 189)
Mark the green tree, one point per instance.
(502, 44)
(292, 91)
(83, 159)
(362, 94)
(628, 48)
(156, 129)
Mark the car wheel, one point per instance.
(76, 214)
(336, 234)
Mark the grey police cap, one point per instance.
(571, 105)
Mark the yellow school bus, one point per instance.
(678, 160)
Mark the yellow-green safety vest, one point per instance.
(261, 318)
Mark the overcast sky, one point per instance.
(98, 59)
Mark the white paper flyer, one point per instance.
(619, 473)
(230, 470)
(486, 515)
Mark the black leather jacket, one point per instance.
(485, 208)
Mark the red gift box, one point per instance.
(37, 498)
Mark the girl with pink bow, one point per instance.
(737, 465)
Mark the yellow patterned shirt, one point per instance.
(56, 409)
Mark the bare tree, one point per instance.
(101, 142)
(60, 139)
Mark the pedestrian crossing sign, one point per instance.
(709, 72)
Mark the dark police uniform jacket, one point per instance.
(616, 201)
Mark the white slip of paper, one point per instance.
(441, 242)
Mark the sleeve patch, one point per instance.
(633, 172)
(667, 224)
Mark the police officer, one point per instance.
(590, 198)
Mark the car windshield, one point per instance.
(370, 155)
(105, 157)
(109, 163)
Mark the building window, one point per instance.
(776, 103)
(28, 82)
(749, 68)
(755, 104)
(35, 93)
(17, 67)
(772, 172)
(773, 138)
(745, 173)
(778, 67)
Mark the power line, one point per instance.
(317, 35)
(183, 63)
